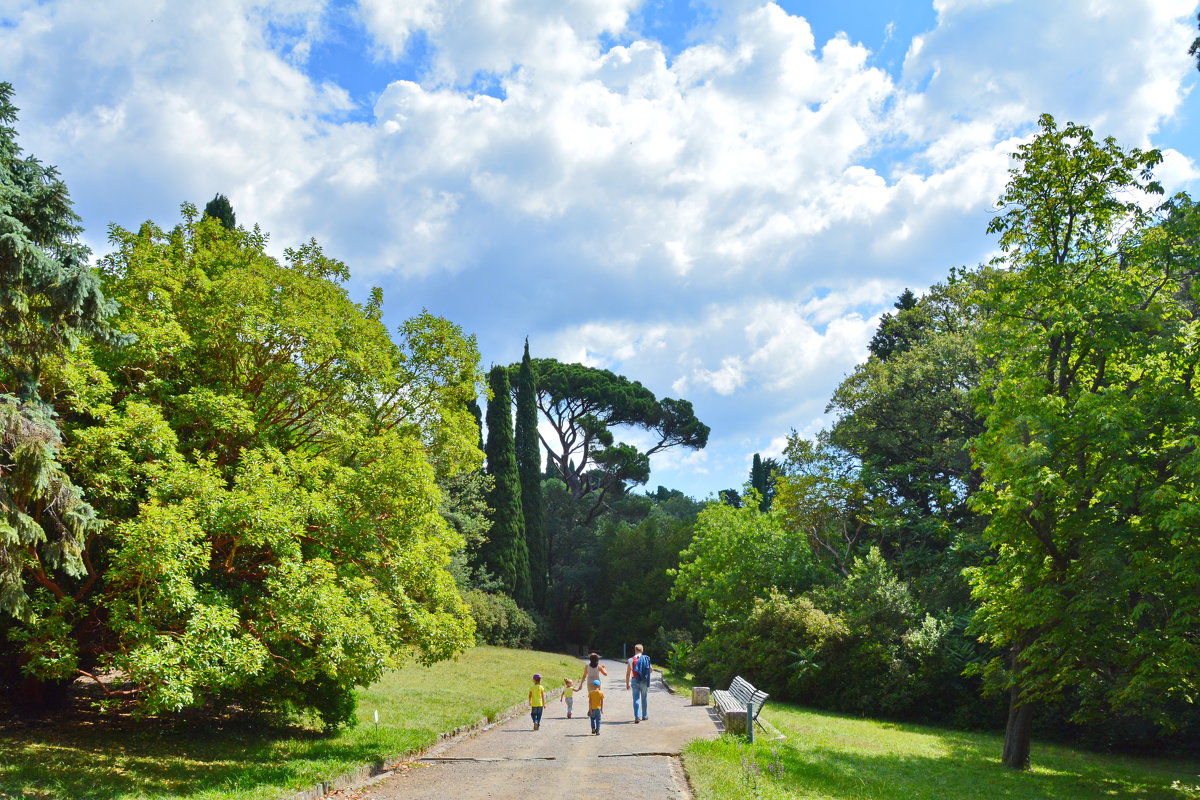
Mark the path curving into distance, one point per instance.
(563, 759)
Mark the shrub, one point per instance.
(862, 645)
(666, 645)
(500, 621)
(780, 646)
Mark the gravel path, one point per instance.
(563, 759)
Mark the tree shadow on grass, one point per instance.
(79, 758)
(841, 774)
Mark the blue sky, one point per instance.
(718, 199)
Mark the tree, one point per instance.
(49, 296)
(821, 496)
(906, 415)
(575, 566)
(630, 596)
(897, 332)
(221, 209)
(264, 456)
(738, 554)
(583, 405)
(529, 465)
(762, 480)
(1090, 476)
(50, 301)
(505, 554)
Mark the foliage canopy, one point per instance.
(1088, 452)
(262, 458)
(583, 404)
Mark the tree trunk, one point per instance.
(1017, 734)
(1019, 729)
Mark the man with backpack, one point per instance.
(637, 673)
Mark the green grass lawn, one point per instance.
(94, 757)
(835, 757)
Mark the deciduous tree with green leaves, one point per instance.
(822, 499)
(263, 457)
(906, 415)
(1091, 477)
(738, 554)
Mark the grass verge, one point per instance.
(835, 757)
(92, 757)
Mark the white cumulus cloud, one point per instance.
(723, 220)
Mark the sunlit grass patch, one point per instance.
(836, 757)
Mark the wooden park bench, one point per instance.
(739, 705)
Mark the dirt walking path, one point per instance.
(563, 759)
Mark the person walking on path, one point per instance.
(568, 695)
(592, 671)
(595, 706)
(503, 763)
(537, 701)
(637, 678)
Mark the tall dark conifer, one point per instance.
(763, 481)
(757, 481)
(221, 209)
(529, 465)
(505, 554)
(477, 413)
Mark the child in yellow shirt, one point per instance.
(537, 701)
(568, 695)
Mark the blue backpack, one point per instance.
(641, 667)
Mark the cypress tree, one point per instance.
(505, 554)
(762, 481)
(529, 465)
(477, 413)
(221, 209)
(757, 479)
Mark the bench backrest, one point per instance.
(747, 695)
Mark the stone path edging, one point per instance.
(378, 770)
